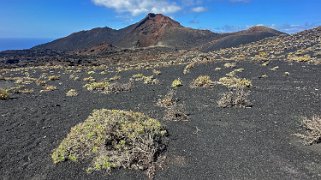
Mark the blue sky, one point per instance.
(57, 18)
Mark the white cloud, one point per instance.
(199, 9)
(137, 7)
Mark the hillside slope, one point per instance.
(157, 30)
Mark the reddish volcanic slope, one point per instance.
(156, 30)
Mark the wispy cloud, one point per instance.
(199, 9)
(137, 7)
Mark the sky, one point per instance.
(51, 19)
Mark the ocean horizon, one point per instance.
(21, 43)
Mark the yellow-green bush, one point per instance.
(53, 78)
(299, 58)
(202, 81)
(4, 94)
(97, 86)
(177, 83)
(230, 65)
(233, 82)
(72, 93)
(114, 139)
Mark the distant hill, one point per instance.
(253, 34)
(156, 30)
(303, 46)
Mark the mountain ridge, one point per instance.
(156, 30)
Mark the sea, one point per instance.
(20, 43)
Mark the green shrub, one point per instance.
(97, 86)
(114, 139)
(233, 82)
(177, 83)
(4, 94)
(202, 81)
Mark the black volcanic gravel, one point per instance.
(250, 143)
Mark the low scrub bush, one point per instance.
(53, 78)
(113, 139)
(312, 126)
(234, 82)
(4, 94)
(202, 81)
(177, 83)
(72, 93)
(234, 72)
(157, 72)
(119, 87)
(234, 98)
(48, 88)
(89, 79)
(97, 86)
(176, 112)
(188, 67)
(230, 65)
(168, 100)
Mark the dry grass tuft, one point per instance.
(177, 83)
(313, 130)
(230, 65)
(274, 68)
(119, 87)
(235, 98)
(115, 78)
(168, 100)
(234, 82)
(113, 139)
(97, 86)
(188, 67)
(176, 112)
(4, 94)
(72, 93)
(53, 78)
(48, 88)
(89, 79)
(157, 72)
(234, 72)
(202, 81)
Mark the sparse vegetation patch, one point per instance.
(234, 82)
(53, 78)
(114, 139)
(168, 100)
(176, 112)
(48, 88)
(97, 86)
(188, 67)
(202, 81)
(230, 65)
(235, 98)
(177, 83)
(117, 87)
(312, 126)
(4, 94)
(72, 93)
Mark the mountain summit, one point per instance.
(156, 30)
